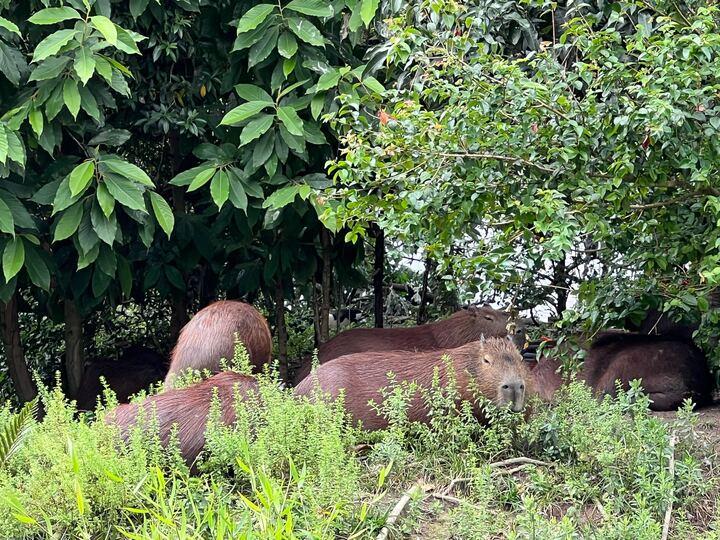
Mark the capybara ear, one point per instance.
(472, 310)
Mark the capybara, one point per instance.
(188, 408)
(137, 368)
(464, 326)
(494, 364)
(671, 369)
(210, 336)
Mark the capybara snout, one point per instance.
(512, 394)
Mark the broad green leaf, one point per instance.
(68, 222)
(37, 269)
(185, 178)
(13, 258)
(220, 188)
(262, 49)
(293, 141)
(125, 192)
(63, 198)
(111, 137)
(248, 39)
(49, 69)
(105, 226)
(128, 170)
(253, 17)
(106, 201)
(287, 46)
(100, 283)
(328, 80)
(163, 213)
(84, 64)
(201, 179)
(126, 42)
(106, 261)
(318, 8)
(373, 84)
(21, 216)
(250, 92)
(290, 119)
(282, 197)
(52, 44)
(106, 28)
(125, 276)
(289, 65)
(71, 96)
(55, 102)
(54, 15)
(86, 259)
(368, 9)
(36, 121)
(80, 177)
(255, 128)
(316, 105)
(104, 69)
(9, 25)
(86, 236)
(243, 112)
(138, 7)
(238, 197)
(89, 103)
(306, 31)
(16, 149)
(263, 149)
(7, 223)
(4, 144)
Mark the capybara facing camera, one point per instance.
(494, 365)
(210, 336)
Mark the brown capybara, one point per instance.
(671, 369)
(464, 326)
(137, 369)
(210, 336)
(494, 364)
(188, 408)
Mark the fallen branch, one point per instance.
(671, 470)
(447, 498)
(519, 460)
(452, 484)
(512, 471)
(398, 509)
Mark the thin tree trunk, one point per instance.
(561, 283)
(14, 354)
(179, 316)
(281, 329)
(422, 312)
(326, 285)
(379, 276)
(74, 351)
(316, 311)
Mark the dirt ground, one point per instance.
(708, 428)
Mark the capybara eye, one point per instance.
(489, 318)
(486, 360)
(522, 387)
(505, 387)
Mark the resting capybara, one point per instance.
(671, 369)
(210, 336)
(188, 408)
(494, 364)
(137, 368)
(464, 326)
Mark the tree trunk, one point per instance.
(560, 280)
(74, 351)
(326, 285)
(379, 276)
(179, 316)
(14, 354)
(422, 312)
(280, 329)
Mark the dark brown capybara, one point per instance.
(188, 408)
(494, 364)
(210, 336)
(671, 369)
(137, 369)
(464, 326)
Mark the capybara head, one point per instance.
(492, 322)
(501, 373)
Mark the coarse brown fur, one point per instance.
(495, 365)
(464, 326)
(210, 336)
(135, 370)
(670, 369)
(186, 407)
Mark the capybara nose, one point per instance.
(514, 395)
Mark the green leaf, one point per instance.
(69, 222)
(63, 197)
(373, 84)
(49, 69)
(253, 17)
(126, 43)
(127, 170)
(55, 102)
(4, 144)
(250, 92)
(37, 269)
(16, 149)
(110, 137)
(80, 177)
(36, 121)
(7, 222)
(105, 226)
(290, 119)
(282, 197)
(243, 112)
(287, 45)
(54, 15)
(71, 96)
(138, 7)
(86, 259)
(316, 105)
(238, 197)
(106, 28)
(125, 276)
(256, 128)
(262, 49)
(328, 80)
(368, 9)
(104, 69)
(163, 213)
(107, 262)
(201, 179)
(89, 104)
(220, 188)
(306, 31)
(52, 44)
(9, 25)
(289, 66)
(185, 178)
(125, 192)
(293, 141)
(263, 149)
(106, 201)
(318, 8)
(13, 258)
(100, 283)
(84, 64)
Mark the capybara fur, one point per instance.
(188, 408)
(464, 326)
(210, 336)
(137, 369)
(670, 369)
(494, 364)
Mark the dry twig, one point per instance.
(399, 507)
(671, 470)
(518, 461)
